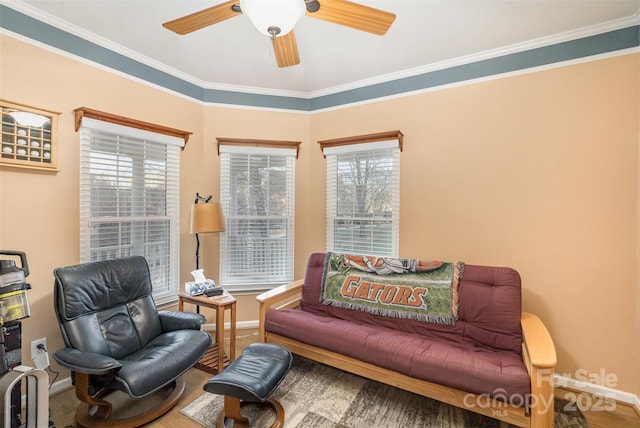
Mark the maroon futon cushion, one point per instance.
(481, 353)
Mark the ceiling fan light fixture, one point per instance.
(273, 17)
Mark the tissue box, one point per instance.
(194, 289)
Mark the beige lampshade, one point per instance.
(206, 217)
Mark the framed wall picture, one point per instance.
(29, 136)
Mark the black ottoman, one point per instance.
(251, 378)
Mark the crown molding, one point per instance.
(60, 24)
(485, 55)
(403, 74)
(610, 38)
(137, 56)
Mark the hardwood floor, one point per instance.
(63, 405)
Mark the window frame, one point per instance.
(228, 147)
(389, 144)
(91, 123)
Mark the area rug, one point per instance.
(318, 396)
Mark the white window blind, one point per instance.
(129, 196)
(363, 198)
(258, 200)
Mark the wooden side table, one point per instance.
(215, 359)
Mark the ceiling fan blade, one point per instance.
(203, 18)
(286, 50)
(353, 15)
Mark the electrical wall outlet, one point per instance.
(39, 354)
(35, 351)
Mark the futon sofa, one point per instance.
(494, 360)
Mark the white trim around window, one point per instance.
(257, 194)
(363, 194)
(129, 199)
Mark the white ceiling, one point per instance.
(234, 55)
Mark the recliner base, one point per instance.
(97, 413)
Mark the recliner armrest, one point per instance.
(85, 362)
(176, 320)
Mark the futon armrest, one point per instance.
(85, 362)
(177, 320)
(538, 345)
(539, 354)
(280, 293)
(285, 297)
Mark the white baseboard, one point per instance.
(227, 326)
(599, 390)
(61, 385)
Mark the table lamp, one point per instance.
(206, 217)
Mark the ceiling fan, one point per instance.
(276, 18)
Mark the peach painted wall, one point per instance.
(537, 171)
(39, 211)
(244, 123)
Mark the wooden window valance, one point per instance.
(278, 144)
(125, 121)
(361, 139)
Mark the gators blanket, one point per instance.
(399, 288)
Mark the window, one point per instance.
(363, 194)
(257, 194)
(129, 196)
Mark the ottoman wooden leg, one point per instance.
(232, 410)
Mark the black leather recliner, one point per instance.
(117, 340)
